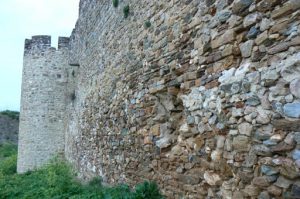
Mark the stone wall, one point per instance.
(9, 128)
(205, 101)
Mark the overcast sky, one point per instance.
(20, 19)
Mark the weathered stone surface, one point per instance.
(262, 181)
(262, 150)
(289, 171)
(281, 147)
(245, 129)
(290, 68)
(269, 170)
(211, 178)
(283, 182)
(251, 19)
(265, 24)
(164, 142)
(291, 125)
(225, 38)
(295, 87)
(261, 38)
(297, 137)
(224, 15)
(292, 110)
(251, 190)
(246, 48)
(296, 154)
(264, 195)
(296, 190)
(240, 143)
(266, 5)
(239, 6)
(274, 190)
(264, 133)
(253, 32)
(189, 179)
(286, 8)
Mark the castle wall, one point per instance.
(198, 102)
(205, 101)
(43, 102)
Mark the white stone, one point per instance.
(216, 155)
(290, 67)
(184, 128)
(226, 75)
(245, 128)
(211, 178)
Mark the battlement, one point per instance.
(63, 42)
(40, 43)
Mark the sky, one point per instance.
(20, 19)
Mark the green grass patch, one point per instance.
(7, 150)
(57, 181)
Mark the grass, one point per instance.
(12, 114)
(115, 3)
(57, 181)
(147, 24)
(126, 11)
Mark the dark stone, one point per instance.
(253, 101)
(266, 5)
(253, 32)
(224, 15)
(296, 191)
(282, 147)
(268, 170)
(288, 125)
(257, 56)
(240, 6)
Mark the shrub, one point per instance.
(12, 114)
(147, 24)
(8, 166)
(147, 190)
(57, 181)
(7, 150)
(115, 3)
(126, 11)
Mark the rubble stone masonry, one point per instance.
(201, 96)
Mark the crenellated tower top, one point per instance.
(41, 43)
